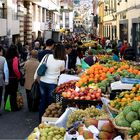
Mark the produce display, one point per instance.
(84, 93)
(103, 75)
(94, 122)
(91, 128)
(62, 87)
(53, 110)
(80, 114)
(47, 132)
(125, 98)
(130, 117)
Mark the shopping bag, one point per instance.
(7, 104)
(20, 102)
(84, 65)
(34, 97)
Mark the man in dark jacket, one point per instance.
(129, 54)
(48, 49)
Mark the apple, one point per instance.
(82, 98)
(93, 96)
(98, 94)
(76, 98)
(88, 98)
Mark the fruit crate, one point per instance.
(81, 104)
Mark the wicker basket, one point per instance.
(113, 110)
(123, 130)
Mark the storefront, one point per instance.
(135, 31)
(123, 29)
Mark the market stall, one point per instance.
(84, 107)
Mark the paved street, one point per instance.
(18, 125)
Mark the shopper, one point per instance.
(30, 68)
(4, 73)
(68, 63)
(48, 49)
(122, 49)
(115, 56)
(55, 65)
(12, 58)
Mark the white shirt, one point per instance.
(67, 59)
(54, 67)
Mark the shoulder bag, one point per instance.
(43, 67)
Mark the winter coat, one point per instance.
(30, 68)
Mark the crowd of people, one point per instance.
(60, 57)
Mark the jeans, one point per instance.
(46, 97)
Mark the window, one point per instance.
(14, 9)
(3, 10)
(43, 15)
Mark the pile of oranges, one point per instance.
(98, 72)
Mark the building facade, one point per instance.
(128, 21)
(121, 20)
(25, 20)
(110, 19)
(66, 15)
(9, 22)
(100, 18)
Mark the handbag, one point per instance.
(34, 96)
(42, 68)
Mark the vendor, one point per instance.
(91, 58)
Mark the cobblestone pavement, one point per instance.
(18, 125)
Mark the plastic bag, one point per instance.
(20, 102)
(34, 96)
(84, 65)
(7, 104)
(61, 122)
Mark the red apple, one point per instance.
(98, 94)
(93, 96)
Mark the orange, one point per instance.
(126, 96)
(132, 95)
(123, 100)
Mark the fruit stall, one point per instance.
(83, 109)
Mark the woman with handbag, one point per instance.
(55, 64)
(12, 58)
(30, 68)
